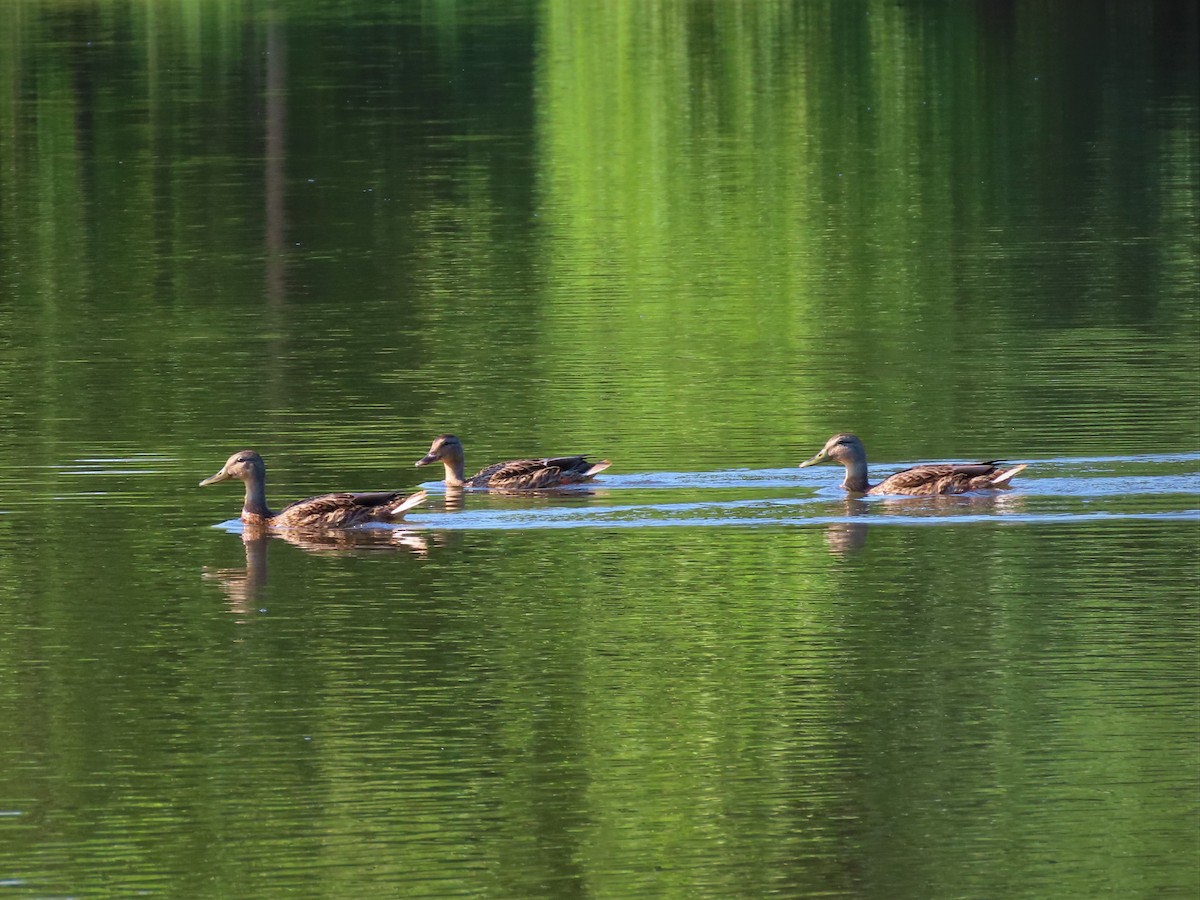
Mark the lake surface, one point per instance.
(695, 239)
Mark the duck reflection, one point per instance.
(352, 542)
(844, 538)
(454, 499)
(243, 585)
(948, 505)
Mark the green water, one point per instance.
(695, 238)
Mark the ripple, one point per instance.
(760, 514)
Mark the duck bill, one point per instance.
(426, 459)
(213, 479)
(820, 457)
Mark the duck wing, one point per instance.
(346, 509)
(538, 474)
(939, 478)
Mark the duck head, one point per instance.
(844, 448)
(448, 450)
(245, 465)
(444, 447)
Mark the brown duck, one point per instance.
(514, 475)
(931, 478)
(326, 511)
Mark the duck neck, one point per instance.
(454, 469)
(255, 505)
(856, 477)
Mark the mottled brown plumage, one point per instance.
(932, 478)
(327, 511)
(514, 475)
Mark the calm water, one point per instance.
(695, 238)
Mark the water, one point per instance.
(696, 239)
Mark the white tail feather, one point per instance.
(408, 503)
(1006, 476)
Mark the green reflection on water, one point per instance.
(678, 230)
(867, 217)
(946, 711)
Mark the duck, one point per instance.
(514, 475)
(326, 511)
(923, 480)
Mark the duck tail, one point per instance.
(597, 468)
(1006, 476)
(407, 503)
